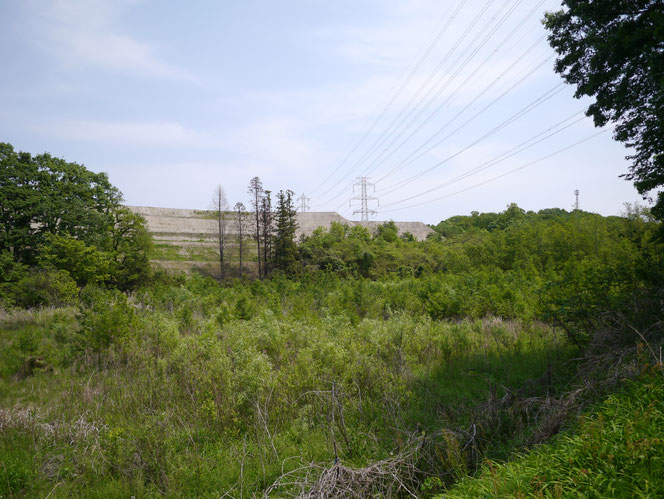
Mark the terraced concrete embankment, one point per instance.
(187, 239)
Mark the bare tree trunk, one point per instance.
(266, 226)
(220, 205)
(240, 215)
(256, 191)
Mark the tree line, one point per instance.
(271, 228)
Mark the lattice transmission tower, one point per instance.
(364, 199)
(576, 196)
(304, 203)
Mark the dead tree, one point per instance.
(220, 206)
(240, 223)
(256, 192)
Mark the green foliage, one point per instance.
(285, 249)
(616, 451)
(387, 232)
(10, 269)
(107, 317)
(124, 263)
(17, 466)
(10, 272)
(42, 194)
(85, 264)
(626, 82)
(188, 387)
(45, 287)
(60, 215)
(201, 381)
(129, 246)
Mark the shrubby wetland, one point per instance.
(508, 354)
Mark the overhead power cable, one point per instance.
(381, 157)
(403, 85)
(527, 144)
(413, 156)
(544, 158)
(522, 112)
(441, 85)
(377, 142)
(468, 78)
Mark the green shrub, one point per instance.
(85, 264)
(45, 287)
(106, 317)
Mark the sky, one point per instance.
(446, 107)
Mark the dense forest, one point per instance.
(353, 364)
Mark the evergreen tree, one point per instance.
(267, 228)
(285, 249)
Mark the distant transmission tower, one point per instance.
(364, 199)
(304, 203)
(576, 195)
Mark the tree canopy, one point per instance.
(45, 195)
(59, 215)
(613, 50)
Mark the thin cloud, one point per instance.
(86, 34)
(275, 145)
(129, 133)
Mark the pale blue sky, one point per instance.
(171, 98)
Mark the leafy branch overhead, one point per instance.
(613, 50)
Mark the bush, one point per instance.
(45, 287)
(106, 317)
(85, 264)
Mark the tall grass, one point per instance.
(192, 389)
(615, 451)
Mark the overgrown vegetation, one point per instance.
(363, 365)
(615, 451)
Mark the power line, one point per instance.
(410, 159)
(458, 71)
(522, 112)
(559, 151)
(377, 142)
(510, 67)
(527, 144)
(441, 32)
(440, 88)
(398, 120)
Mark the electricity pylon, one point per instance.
(364, 199)
(576, 203)
(304, 203)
